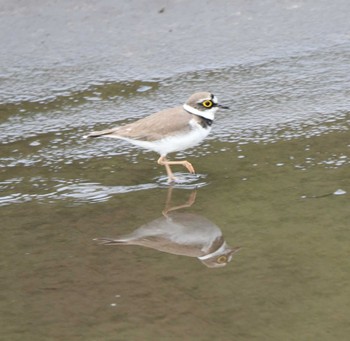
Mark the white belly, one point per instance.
(175, 143)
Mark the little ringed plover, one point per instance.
(170, 130)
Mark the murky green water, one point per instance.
(288, 279)
(273, 177)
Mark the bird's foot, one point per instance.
(189, 166)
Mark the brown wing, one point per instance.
(164, 123)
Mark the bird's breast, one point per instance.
(191, 138)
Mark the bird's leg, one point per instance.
(184, 163)
(165, 162)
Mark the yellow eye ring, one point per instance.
(221, 259)
(207, 104)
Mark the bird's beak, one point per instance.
(223, 106)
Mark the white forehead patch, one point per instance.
(215, 99)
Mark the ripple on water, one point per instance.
(183, 180)
(277, 98)
(86, 192)
(95, 192)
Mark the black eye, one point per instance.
(207, 104)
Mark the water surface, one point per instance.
(272, 177)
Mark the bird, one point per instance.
(185, 234)
(170, 130)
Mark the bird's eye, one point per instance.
(207, 104)
(222, 259)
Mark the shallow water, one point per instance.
(273, 177)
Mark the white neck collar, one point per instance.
(208, 114)
(215, 253)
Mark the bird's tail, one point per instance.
(100, 133)
(110, 241)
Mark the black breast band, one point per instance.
(205, 122)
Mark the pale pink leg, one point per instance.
(164, 162)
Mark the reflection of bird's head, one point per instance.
(220, 257)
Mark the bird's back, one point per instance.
(162, 124)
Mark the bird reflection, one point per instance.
(185, 234)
